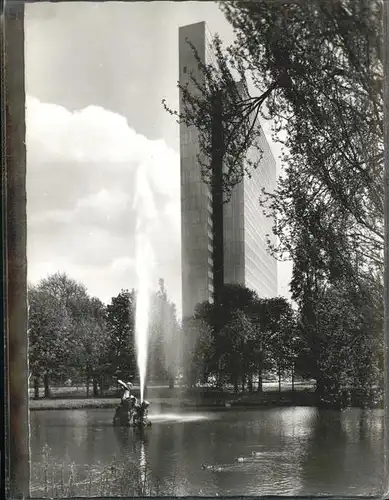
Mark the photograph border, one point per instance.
(14, 258)
(15, 466)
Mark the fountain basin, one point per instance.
(133, 416)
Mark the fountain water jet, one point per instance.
(142, 309)
(144, 259)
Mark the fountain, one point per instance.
(143, 257)
(130, 412)
(144, 261)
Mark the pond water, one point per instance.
(288, 451)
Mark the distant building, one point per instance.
(242, 227)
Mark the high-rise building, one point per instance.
(221, 243)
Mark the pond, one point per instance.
(288, 451)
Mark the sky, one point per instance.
(96, 74)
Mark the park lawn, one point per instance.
(73, 404)
(73, 398)
(177, 399)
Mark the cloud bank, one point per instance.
(82, 171)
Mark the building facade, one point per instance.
(244, 258)
(196, 198)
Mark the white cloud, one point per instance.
(81, 186)
(99, 201)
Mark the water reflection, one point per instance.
(338, 447)
(143, 462)
(296, 422)
(180, 417)
(292, 451)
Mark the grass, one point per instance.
(247, 400)
(72, 404)
(204, 398)
(75, 397)
(76, 391)
(116, 478)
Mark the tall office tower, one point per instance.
(219, 243)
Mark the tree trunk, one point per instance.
(292, 377)
(260, 387)
(87, 387)
(95, 388)
(101, 387)
(220, 380)
(191, 378)
(236, 388)
(250, 383)
(243, 382)
(46, 385)
(171, 382)
(320, 387)
(217, 143)
(36, 387)
(279, 380)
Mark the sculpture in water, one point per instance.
(130, 412)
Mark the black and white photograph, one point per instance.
(205, 280)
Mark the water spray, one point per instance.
(144, 255)
(144, 259)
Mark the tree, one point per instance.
(197, 351)
(344, 355)
(260, 357)
(254, 334)
(236, 358)
(120, 359)
(233, 297)
(216, 94)
(316, 71)
(164, 331)
(274, 321)
(329, 205)
(156, 355)
(220, 316)
(50, 338)
(92, 345)
(58, 309)
(281, 326)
